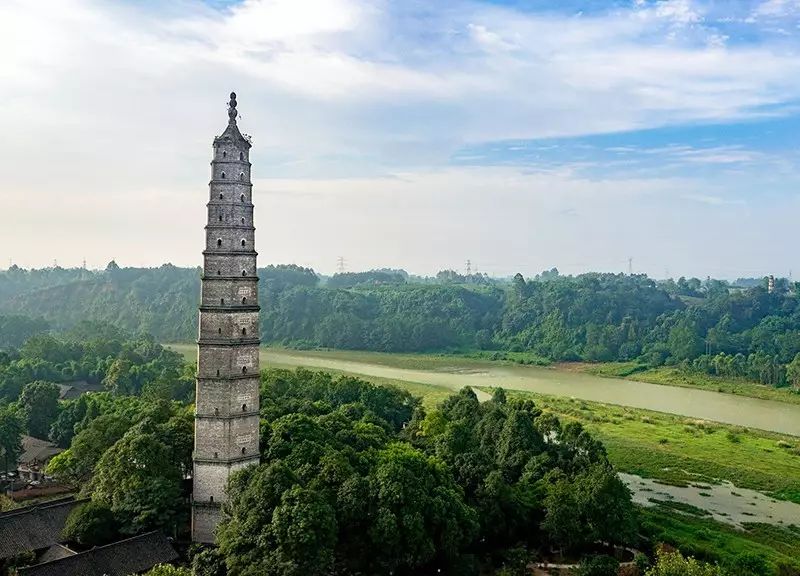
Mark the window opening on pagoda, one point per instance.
(219, 242)
(211, 499)
(244, 407)
(244, 300)
(217, 371)
(242, 219)
(220, 217)
(244, 272)
(223, 175)
(216, 455)
(241, 155)
(216, 413)
(220, 196)
(222, 301)
(244, 449)
(219, 330)
(244, 242)
(244, 369)
(224, 153)
(242, 197)
(241, 175)
(244, 331)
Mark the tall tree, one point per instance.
(39, 407)
(139, 481)
(11, 430)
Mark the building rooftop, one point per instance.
(37, 450)
(76, 388)
(34, 527)
(122, 558)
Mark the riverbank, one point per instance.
(670, 376)
(453, 373)
(712, 541)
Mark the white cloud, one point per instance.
(678, 11)
(776, 8)
(489, 40)
(712, 200)
(113, 106)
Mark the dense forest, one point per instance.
(740, 330)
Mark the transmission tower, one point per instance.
(340, 264)
(630, 266)
(469, 267)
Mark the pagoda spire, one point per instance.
(231, 133)
(232, 112)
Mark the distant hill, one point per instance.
(708, 326)
(161, 301)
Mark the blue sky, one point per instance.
(520, 135)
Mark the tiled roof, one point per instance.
(33, 527)
(74, 389)
(123, 558)
(37, 450)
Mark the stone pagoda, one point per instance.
(226, 406)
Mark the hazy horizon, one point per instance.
(408, 135)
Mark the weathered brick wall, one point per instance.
(226, 396)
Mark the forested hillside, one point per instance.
(707, 326)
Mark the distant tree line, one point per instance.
(735, 330)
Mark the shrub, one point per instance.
(749, 564)
(91, 524)
(733, 437)
(598, 566)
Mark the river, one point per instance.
(701, 404)
(724, 502)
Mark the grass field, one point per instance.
(715, 542)
(679, 450)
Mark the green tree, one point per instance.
(304, 528)
(419, 512)
(563, 520)
(39, 407)
(11, 430)
(675, 564)
(76, 464)
(793, 371)
(207, 561)
(139, 481)
(598, 566)
(91, 524)
(168, 570)
(750, 564)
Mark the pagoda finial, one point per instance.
(232, 108)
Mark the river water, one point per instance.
(724, 502)
(701, 404)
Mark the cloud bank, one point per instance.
(382, 131)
